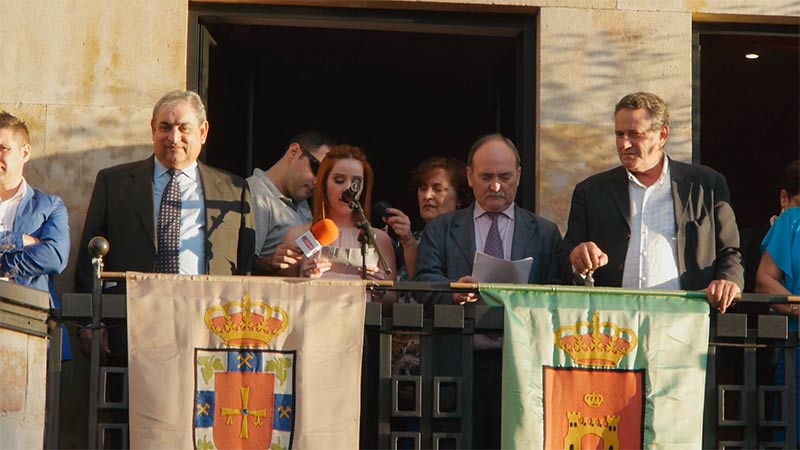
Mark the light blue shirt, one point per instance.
(191, 260)
(783, 243)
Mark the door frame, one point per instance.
(521, 25)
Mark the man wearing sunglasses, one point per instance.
(280, 197)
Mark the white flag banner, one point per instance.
(244, 362)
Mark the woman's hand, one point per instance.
(374, 273)
(314, 267)
(401, 225)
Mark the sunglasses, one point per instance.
(312, 161)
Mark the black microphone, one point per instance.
(352, 192)
(378, 213)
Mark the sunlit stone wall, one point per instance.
(85, 75)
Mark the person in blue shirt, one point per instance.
(34, 226)
(779, 270)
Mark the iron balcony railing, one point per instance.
(432, 406)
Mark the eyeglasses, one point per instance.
(312, 161)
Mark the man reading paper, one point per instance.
(495, 225)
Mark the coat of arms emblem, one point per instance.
(594, 405)
(244, 394)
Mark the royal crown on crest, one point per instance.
(593, 399)
(246, 323)
(595, 344)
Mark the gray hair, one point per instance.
(179, 95)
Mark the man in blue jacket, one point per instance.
(34, 227)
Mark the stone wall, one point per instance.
(84, 75)
(588, 60)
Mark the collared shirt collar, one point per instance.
(23, 189)
(190, 171)
(8, 208)
(273, 188)
(508, 212)
(664, 174)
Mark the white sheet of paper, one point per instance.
(488, 269)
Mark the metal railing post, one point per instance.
(98, 247)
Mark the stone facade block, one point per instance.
(588, 60)
(604, 4)
(82, 52)
(81, 140)
(744, 7)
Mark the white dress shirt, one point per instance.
(8, 208)
(191, 260)
(652, 258)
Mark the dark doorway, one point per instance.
(750, 116)
(749, 120)
(401, 85)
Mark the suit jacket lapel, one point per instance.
(681, 191)
(619, 191)
(524, 230)
(463, 234)
(24, 211)
(140, 191)
(681, 198)
(211, 190)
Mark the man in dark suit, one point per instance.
(654, 223)
(494, 225)
(213, 222)
(448, 244)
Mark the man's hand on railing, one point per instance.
(469, 297)
(721, 294)
(586, 257)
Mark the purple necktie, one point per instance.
(168, 229)
(494, 244)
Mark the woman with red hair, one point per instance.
(342, 166)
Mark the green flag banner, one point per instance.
(601, 368)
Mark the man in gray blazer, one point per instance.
(448, 244)
(654, 223)
(215, 224)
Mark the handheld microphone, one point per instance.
(352, 192)
(378, 214)
(324, 232)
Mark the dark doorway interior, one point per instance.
(399, 95)
(750, 124)
(750, 116)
